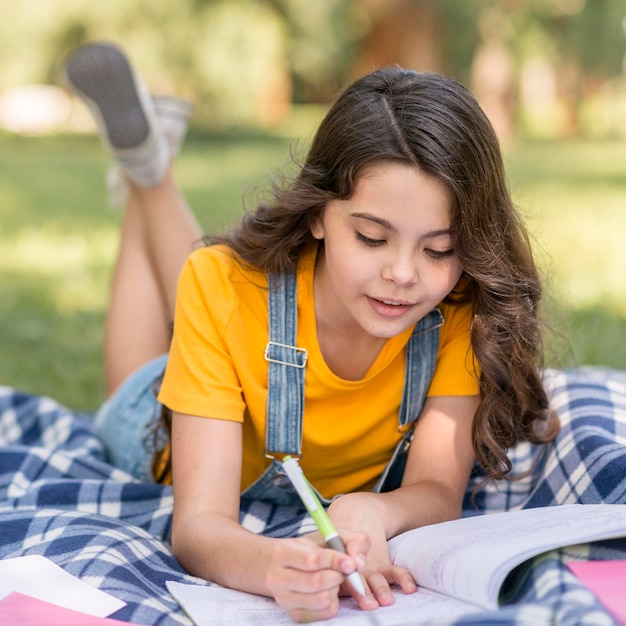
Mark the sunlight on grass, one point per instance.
(236, 163)
(582, 241)
(574, 197)
(68, 262)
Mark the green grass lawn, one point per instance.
(573, 195)
(58, 241)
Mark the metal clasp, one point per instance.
(279, 456)
(440, 322)
(269, 359)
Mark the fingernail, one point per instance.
(372, 601)
(385, 597)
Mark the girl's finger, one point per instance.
(403, 578)
(380, 588)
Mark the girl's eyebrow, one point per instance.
(373, 218)
(389, 226)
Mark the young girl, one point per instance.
(389, 289)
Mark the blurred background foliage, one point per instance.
(549, 73)
(246, 62)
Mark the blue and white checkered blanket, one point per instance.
(59, 498)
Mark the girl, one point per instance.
(388, 292)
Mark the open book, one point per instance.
(459, 565)
(469, 558)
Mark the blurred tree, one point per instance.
(493, 75)
(587, 49)
(402, 32)
(322, 38)
(558, 55)
(428, 35)
(588, 32)
(467, 40)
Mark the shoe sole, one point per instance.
(103, 77)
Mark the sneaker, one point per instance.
(173, 117)
(102, 77)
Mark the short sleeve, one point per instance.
(201, 377)
(456, 373)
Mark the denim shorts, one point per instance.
(126, 422)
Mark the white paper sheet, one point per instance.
(40, 578)
(216, 606)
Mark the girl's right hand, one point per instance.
(305, 577)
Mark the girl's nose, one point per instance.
(401, 269)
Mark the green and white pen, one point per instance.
(318, 513)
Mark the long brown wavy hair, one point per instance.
(433, 123)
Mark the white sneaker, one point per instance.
(102, 77)
(173, 117)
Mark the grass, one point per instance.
(573, 195)
(58, 241)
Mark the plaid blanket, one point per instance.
(59, 498)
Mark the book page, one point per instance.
(216, 606)
(469, 558)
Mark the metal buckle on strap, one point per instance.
(303, 351)
(440, 322)
(405, 428)
(279, 456)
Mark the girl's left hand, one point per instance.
(358, 511)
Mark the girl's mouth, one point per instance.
(389, 308)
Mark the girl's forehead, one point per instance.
(399, 178)
(400, 197)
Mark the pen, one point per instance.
(318, 513)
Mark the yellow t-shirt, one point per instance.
(216, 369)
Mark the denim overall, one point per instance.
(285, 393)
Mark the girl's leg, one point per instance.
(158, 233)
(142, 134)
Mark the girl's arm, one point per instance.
(301, 574)
(438, 468)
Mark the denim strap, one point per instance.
(285, 377)
(286, 365)
(421, 359)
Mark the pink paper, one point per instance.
(607, 580)
(18, 609)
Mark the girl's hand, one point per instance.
(358, 511)
(305, 576)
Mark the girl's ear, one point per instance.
(317, 227)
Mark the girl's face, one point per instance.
(387, 258)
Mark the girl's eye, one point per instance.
(368, 241)
(440, 254)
